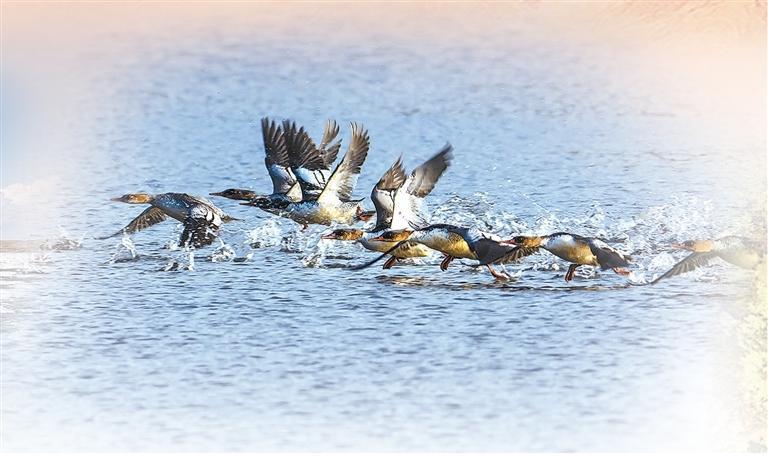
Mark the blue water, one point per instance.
(265, 342)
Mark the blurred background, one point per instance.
(643, 122)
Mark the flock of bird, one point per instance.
(307, 191)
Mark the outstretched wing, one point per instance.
(342, 182)
(690, 263)
(307, 162)
(147, 218)
(515, 254)
(329, 148)
(383, 195)
(302, 152)
(489, 251)
(409, 199)
(277, 159)
(607, 256)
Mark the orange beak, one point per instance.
(329, 236)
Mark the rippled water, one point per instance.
(264, 341)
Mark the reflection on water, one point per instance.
(266, 341)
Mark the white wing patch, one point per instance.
(407, 208)
(560, 242)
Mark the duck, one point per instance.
(333, 203)
(739, 251)
(397, 200)
(453, 242)
(284, 183)
(577, 249)
(200, 217)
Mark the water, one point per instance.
(264, 341)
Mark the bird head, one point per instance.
(394, 236)
(344, 234)
(134, 199)
(695, 245)
(236, 194)
(524, 241)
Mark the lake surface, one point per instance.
(265, 342)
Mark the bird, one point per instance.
(284, 183)
(579, 250)
(453, 242)
(736, 250)
(333, 203)
(200, 217)
(397, 200)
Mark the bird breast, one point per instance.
(448, 243)
(568, 248)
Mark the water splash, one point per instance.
(645, 235)
(181, 260)
(64, 242)
(223, 253)
(270, 233)
(125, 250)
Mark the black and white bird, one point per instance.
(200, 217)
(324, 200)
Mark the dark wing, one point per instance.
(383, 194)
(274, 143)
(607, 256)
(307, 162)
(688, 264)
(330, 149)
(393, 178)
(198, 232)
(277, 159)
(302, 151)
(147, 218)
(342, 182)
(490, 251)
(515, 254)
(424, 177)
(409, 199)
